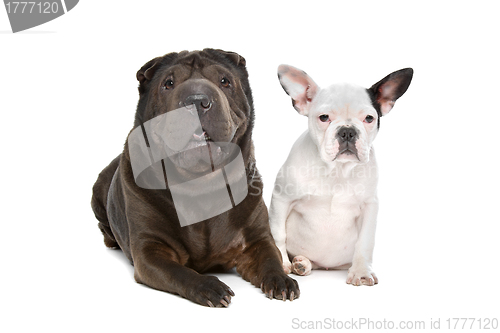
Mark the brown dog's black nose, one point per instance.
(201, 101)
(348, 134)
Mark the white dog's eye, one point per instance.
(369, 118)
(324, 118)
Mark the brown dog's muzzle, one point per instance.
(212, 106)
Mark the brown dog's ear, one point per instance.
(236, 58)
(233, 56)
(390, 88)
(147, 72)
(299, 86)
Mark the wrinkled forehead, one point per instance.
(343, 98)
(184, 71)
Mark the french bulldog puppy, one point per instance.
(324, 206)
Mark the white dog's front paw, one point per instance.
(287, 266)
(301, 265)
(358, 276)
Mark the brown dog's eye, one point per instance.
(169, 84)
(324, 118)
(225, 82)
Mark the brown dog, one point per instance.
(144, 222)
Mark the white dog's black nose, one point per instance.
(348, 134)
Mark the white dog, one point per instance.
(324, 207)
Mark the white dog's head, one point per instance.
(343, 119)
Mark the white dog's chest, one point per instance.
(324, 229)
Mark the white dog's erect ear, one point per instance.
(299, 86)
(390, 88)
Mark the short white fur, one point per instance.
(324, 207)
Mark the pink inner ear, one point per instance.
(386, 96)
(296, 76)
(386, 105)
(298, 85)
(388, 89)
(311, 92)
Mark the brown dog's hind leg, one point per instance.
(100, 198)
(157, 266)
(109, 239)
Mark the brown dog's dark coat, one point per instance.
(144, 223)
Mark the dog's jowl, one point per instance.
(324, 207)
(192, 133)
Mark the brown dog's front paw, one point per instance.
(210, 291)
(280, 286)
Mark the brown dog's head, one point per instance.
(214, 84)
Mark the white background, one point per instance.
(67, 100)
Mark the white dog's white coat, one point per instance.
(324, 206)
